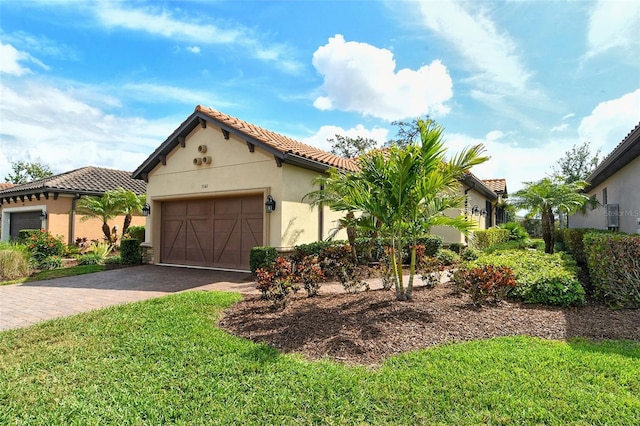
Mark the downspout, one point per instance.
(321, 219)
(72, 220)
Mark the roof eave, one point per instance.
(628, 150)
(479, 186)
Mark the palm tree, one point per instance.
(104, 208)
(128, 204)
(547, 196)
(403, 192)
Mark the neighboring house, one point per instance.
(50, 203)
(219, 186)
(483, 204)
(615, 183)
(4, 186)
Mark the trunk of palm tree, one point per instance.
(127, 223)
(396, 265)
(106, 231)
(351, 236)
(548, 230)
(412, 272)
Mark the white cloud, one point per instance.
(163, 23)
(362, 78)
(64, 131)
(610, 121)
(11, 58)
(613, 24)
(319, 139)
(159, 93)
(194, 49)
(568, 116)
(559, 128)
(500, 78)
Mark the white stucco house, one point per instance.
(616, 185)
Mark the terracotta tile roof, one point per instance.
(496, 185)
(4, 186)
(280, 142)
(86, 180)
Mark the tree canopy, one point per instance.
(348, 147)
(27, 171)
(577, 163)
(402, 192)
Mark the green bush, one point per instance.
(447, 257)
(485, 281)
(262, 257)
(517, 232)
(431, 243)
(456, 247)
(317, 248)
(24, 235)
(113, 260)
(90, 259)
(14, 262)
(613, 261)
(50, 262)
(541, 278)
(470, 253)
(485, 238)
(508, 245)
(130, 251)
(42, 245)
(137, 232)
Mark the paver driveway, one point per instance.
(28, 303)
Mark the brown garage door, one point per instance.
(217, 232)
(26, 220)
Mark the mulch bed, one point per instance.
(366, 328)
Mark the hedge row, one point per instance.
(613, 262)
(486, 238)
(540, 277)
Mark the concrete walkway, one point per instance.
(28, 303)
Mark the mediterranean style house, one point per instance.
(615, 183)
(50, 203)
(218, 186)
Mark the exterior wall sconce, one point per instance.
(43, 215)
(475, 210)
(146, 209)
(483, 212)
(270, 205)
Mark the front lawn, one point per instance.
(57, 273)
(164, 361)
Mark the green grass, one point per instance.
(164, 361)
(57, 273)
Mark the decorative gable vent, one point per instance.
(613, 215)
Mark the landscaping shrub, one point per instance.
(484, 282)
(137, 232)
(338, 264)
(262, 257)
(540, 277)
(24, 235)
(508, 245)
(90, 259)
(431, 270)
(101, 249)
(613, 261)
(277, 282)
(486, 238)
(469, 253)
(310, 274)
(50, 262)
(14, 262)
(517, 232)
(317, 248)
(431, 243)
(130, 251)
(447, 257)
(42, 245)
(456, 247)
(113, 260)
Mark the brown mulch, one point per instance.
(366, 328)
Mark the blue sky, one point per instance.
(104, 83)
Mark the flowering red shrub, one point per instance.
(484, 282)
(277, 282)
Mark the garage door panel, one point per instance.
(218, 232)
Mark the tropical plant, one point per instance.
(402, 192)
(104, 208)
(129, 203)
(548, 196)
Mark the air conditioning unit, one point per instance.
(612, 211)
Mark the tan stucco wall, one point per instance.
(623, 188)
(57, 222)
(451, 235)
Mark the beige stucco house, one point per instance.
(50, 203)
(212, 182)
(616, 185)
